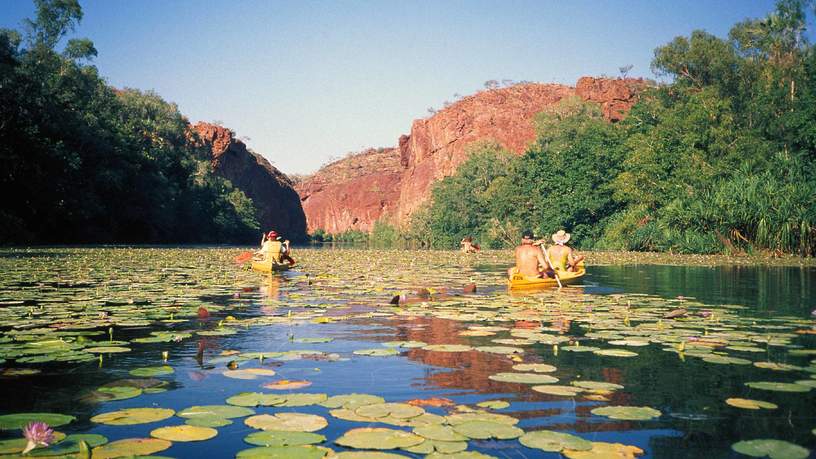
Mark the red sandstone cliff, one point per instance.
(277, 203)
(354, 192)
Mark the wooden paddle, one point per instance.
(547, 257)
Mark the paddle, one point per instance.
(243, 258)
(547, 257)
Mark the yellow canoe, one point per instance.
(517, 281)
(269, 266)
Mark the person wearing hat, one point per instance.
(562, 256)
(272, 248)
(530, 260)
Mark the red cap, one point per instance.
(272, 235)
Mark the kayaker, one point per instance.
(272, 248)
(530, 260)
(563, 257)
(467, 245)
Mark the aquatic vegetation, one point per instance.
(435, 369)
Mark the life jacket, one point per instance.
(272, 251)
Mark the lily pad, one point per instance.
(149, 372)
(17, 445)
(288, 422)
(253, 399)
(435, 446)
(377, 352)
(602, 450)
(285, 384)
(535, 367)
(107, 349)
(439, 433)
(249, 373)
(132, 416)
(548, 440)
(130, 447)
(367, 455)
(774, 449)
(564, 391)
(208, 421)
(20, 420)
(461, 418)
(483, 430)
(493, 404)
(378, 438)
(395, 410)
(447, 348)
(283, 438)
(302, 399)
(351, 401)
(184, 433)
(615, 353)
(596, 385)
(524, 378)
(284, 452)
(627, 413)
(221, 411)
(749, 404)
(777, 386)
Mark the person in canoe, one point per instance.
(468, 246)
(563, 257)
(272, 248)
(530, 260)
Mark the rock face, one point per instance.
(392, 183)
(352, 193)
(277, 203)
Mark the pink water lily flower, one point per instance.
(37, 434)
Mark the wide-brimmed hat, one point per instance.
(561, 237)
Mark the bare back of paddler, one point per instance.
(529, 258)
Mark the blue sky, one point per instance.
(308, 81)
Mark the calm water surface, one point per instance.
(690, 393)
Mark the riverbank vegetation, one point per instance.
(722, 159)
(85, 162)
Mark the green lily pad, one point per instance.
(283, 438)
(130, 447)
(749, 404)
(482, 430)
(461, 418)
(253, 399)
(378, 352)
(627, 413)
(524, 378)
(378, 438)
(70, 445)
(395, 410)
(132, 416)
(535, 367)
(207, 421)
(149, 372)
(220, 411)
(107, 349)
(288, 422)
(405, 344)
(367, 455)
(596, 385)
(548, 440)
(184, 433)
(493, 404)
(284, 452)
(17, 445)
(775, 449)
(447, 348)
(249, 373)
(439, 433)
(615, 353)
(725, 360)
(436, 446)
(351, 401)
(302, 399)
(460, 455)
(504, 350)
(105, 394)
(777, 386)
(20, 420)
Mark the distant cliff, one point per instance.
(277, 203)
(392, 183)
(352, 193)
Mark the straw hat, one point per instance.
(561, 237)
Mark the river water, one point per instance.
(328, 325)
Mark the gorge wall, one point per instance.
(277, 203)
(392, 183)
